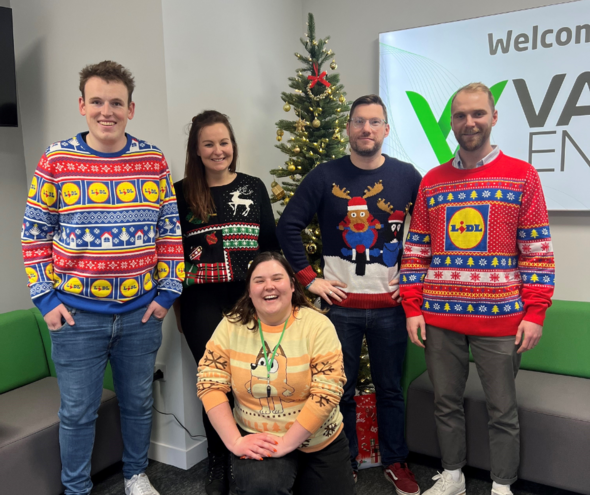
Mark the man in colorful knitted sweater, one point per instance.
(361, 201)
(103, 253)
(477, 272)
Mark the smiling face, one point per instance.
(270, 290)
(215, 149)
(367, 141)
(107, 110)
(472, 120)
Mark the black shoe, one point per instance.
(216, 475)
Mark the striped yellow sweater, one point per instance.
(306, 380)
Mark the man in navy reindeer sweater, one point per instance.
(361, 201)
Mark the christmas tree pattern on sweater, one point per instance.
(102, 228)
(479, 246)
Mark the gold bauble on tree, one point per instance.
(341, 99)
(333, 65)
(336, 136)
(286, 107)
(286, 200)
(280, 132)
(316, 123)
(291, 168)
(296, 149)
(279, 138)
(311, 248)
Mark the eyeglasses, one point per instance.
(359, 123)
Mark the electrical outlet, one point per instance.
(162, 368)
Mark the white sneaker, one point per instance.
(503, 492)
(446, 486)
(140, 485)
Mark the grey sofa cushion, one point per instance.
(554, 414)
(29, 443)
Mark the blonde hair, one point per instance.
(475, 87)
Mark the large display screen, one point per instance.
(8, 114)
(537, 64)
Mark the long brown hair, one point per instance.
(196, 190)
(244, 311)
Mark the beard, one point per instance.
(476, 143)
(367, 152)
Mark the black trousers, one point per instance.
(201, 310)
(325, 472)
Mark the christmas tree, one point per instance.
(317, 135)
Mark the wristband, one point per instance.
(309, 285)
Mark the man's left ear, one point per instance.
(495, 118)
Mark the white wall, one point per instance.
(234, 57)
(14, 293)
(55, 40)
(354, 28)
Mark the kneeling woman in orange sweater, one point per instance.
(282, 360)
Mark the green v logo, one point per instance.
(438, 131)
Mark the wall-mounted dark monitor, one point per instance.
(8, 114)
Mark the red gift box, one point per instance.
(367, 431)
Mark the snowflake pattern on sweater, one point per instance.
(305, 384)
(479, 246)
(101, 230)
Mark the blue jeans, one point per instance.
(80, 354)
(385, 329)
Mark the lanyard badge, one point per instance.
(272, 356)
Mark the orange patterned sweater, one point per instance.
(306, 382)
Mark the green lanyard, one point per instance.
(272, 357)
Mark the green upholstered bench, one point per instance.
(29, 402)
(553, 393)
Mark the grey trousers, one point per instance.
(447, 359)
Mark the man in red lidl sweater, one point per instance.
(477, 272)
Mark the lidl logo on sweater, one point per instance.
(467, 228)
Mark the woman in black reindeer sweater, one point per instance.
(226, 219)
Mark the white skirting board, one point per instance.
(173, 456)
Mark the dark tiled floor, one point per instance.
(173, 481)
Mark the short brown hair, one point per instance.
(368, 100)
(475, 87)
(244, 312)
(108, 71)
